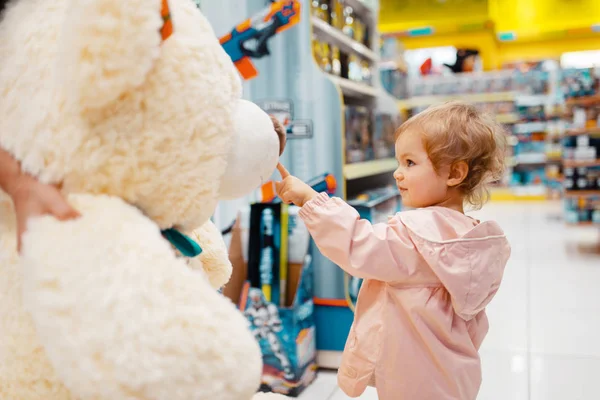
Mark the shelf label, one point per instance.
(301, 129)
(283, 111)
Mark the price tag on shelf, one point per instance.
(300, 130)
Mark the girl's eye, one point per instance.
(410, 163)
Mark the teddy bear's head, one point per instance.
(132, 99)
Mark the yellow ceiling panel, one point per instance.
(407, 14)
(526, 18)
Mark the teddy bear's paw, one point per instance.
(120, 317)
(214, 259)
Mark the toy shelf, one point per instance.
(584, 131)
(334, 36)
(582, 223)
(508, 118)
(581, 163)
(470, 98)
(582, 193)
(369, 168)
(583, 101)
(354, 89)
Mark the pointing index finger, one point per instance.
(282, 171)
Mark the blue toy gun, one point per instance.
(259, 29)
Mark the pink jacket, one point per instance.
(420, 317)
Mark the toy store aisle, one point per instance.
(545, 321)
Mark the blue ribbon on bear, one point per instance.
(185, 244)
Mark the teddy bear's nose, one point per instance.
(281, 134)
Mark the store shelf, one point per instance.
(584, 131)
(583, 101)
(582, 193)
(532, 100)
(469, 98)
(529, 159)
(329, 34)
(525, 193)
(581, 163)
(582, 223)
(508, 118)
(530, 127)
(369, 168)
(354, 89)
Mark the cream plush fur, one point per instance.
(141, 134)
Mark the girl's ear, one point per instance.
(458, 173)
(108, 47)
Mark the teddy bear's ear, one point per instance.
(108, 47)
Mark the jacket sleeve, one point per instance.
(383, 252)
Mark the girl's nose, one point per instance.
(398, 175)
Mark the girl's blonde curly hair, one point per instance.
(457, 131)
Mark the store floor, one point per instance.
(544, 339)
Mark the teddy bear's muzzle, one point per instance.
(254, 152)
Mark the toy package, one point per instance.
(272, 285)
(579, 82)
(265, 242)
(286, 335)
(359, 135)
(320, 9)
(582, 210)
(322, 52)
(383, 136)
(277, 297)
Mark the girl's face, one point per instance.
(419, 184)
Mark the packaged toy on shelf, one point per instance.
(359, 134)
(383, 136)
(272, 285)
(274, 291)
(582, 178)
(320, 9)
(322, 52)
(336, 14)
(581, 147)
(579, 82)
(584, 210)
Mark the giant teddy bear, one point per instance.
(135, 110)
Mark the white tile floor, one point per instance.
(544, 339)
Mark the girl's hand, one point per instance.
(32, 198)
(292, 189)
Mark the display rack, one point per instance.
(319, 98)
(581, 142)
(534, 153)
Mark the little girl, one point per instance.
(428, 273)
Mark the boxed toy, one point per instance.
(286, 335)
(272, 286)
(383, 136)
(359, 135)
(578, 82)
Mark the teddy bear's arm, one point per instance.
(214, 259)
(108, 48)
(120, 317)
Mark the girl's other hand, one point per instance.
(32, 198)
